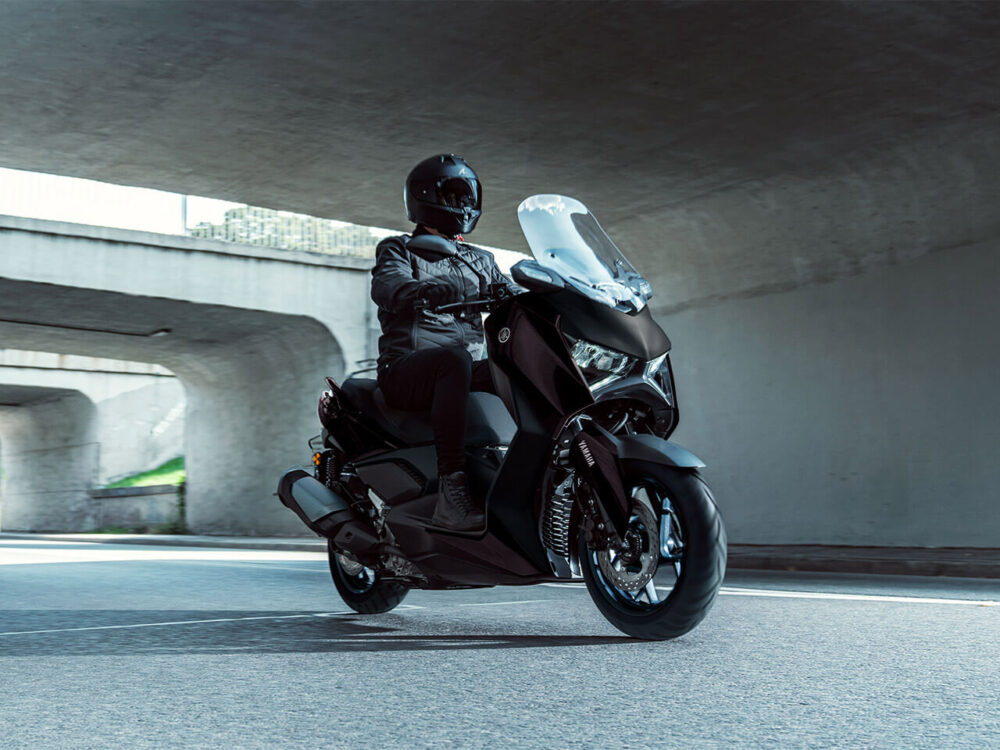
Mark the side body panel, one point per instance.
(406, 479)
(542, 388)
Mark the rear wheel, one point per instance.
(361, 588)
(662, 582)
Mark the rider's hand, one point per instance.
(500, 292)
(445, 289)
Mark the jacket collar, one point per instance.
(462, 245)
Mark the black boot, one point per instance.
(454, 510)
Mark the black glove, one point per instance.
(445, 289)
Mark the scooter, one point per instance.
(571, 460)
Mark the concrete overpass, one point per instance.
(249, 333)
(811, 188)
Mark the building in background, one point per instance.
(252, 225)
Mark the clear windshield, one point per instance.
(566, 238)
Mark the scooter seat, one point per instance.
(487, 419)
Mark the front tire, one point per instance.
(361, 588)
(690, 545)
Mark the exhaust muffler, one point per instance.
(324, 511)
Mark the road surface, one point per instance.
(136, 647)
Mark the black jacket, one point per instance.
(400, 278)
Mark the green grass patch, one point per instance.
(112, 530)
(172, 472)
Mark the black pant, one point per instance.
(438, 379)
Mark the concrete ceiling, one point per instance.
(24, 395)
(731, 148)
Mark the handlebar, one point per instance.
(497, 293)
(479, 304)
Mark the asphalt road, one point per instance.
(124, 646)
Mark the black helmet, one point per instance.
(444, 193)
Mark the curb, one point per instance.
(916, 561)
(913, 561)
(180, 540)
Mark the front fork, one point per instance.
(602, 500)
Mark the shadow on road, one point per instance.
(121, 632)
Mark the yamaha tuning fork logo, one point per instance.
(504, 336)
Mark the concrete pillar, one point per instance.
(251, 407)
(48, 459)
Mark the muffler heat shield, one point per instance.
(319, 507)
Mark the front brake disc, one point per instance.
(631, 572)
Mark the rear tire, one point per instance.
(363, 591)
(696, 572)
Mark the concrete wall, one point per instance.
(157, 508)
(49, 460)
(75, 429)
(141, 429)
(140, 416)
(863, 411)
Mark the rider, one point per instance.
(432, 360)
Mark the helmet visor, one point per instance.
(459, 192)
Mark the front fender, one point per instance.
(599, 457)
(653, 449)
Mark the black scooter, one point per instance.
(571, 461)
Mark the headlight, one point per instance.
(600, 365)
(658, 376)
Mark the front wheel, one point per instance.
(361, 588)
(663, 580)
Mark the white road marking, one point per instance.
(269, 566)
(176, 622)
(780, 594)
(783, 594)
(500, 604)
(94, 553)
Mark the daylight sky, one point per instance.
(56, 198)
(46, 196)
